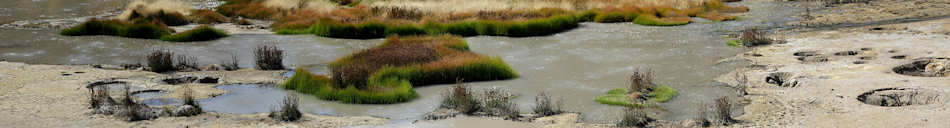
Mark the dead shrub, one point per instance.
(231, 65)
(269, 57)
(187, 97)
(132, 111)
(161, 61)
(497, 102)
(641, 81)
(724, 111)
(288, 110)
(184, 62)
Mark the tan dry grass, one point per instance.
(153, 6)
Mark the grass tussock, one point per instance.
(169, 18)
(288, 111)
(202, 33)
(206, 16)
(161, 61)
(383, 74)
(117, 28)
(269, 57)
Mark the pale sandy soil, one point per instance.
(827, 93)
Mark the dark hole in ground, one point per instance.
(860, 62)
(867, 58)
(895, 97)
(877, 28)
(847, 53)
(782, 79)
(892, 51)
(191, 79)
(806, 53)
(934, 67)
(817, 58)
(899, 57)
(867, 49)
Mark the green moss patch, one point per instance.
(386, 74)
(203, 33)
(622, 97)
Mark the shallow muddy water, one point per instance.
(574, 66)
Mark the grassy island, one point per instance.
(642, 92)
(386, 74)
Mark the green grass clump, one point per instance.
(734, 43)
(117, 28)
(386, 74)
(203, 33)
(654, 21)
(621, 97)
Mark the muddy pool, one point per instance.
(574, 66)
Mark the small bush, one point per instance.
(288, 110)
(183, 62)
(188, 98)
(633, 117)
(203, 33)
(752, 37)
(161, 61)
(545, 106)
(499, 103)
(268, 57)
(206, 16)
(231, 65)
(461, 99)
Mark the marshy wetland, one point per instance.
(493, 63)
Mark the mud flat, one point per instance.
(37, 95)
(850, 77)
